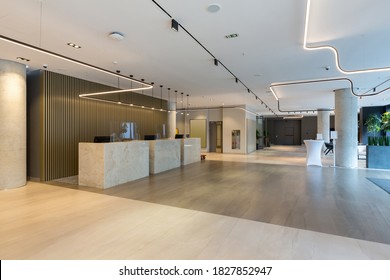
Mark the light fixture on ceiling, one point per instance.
(230, 36)
(188, 104)
(211, 8)
(161, 86)
(116, 36)
(174, 25)
(23, 59)
(236, 80)
(333, 49)
(214, 8)
(182, 103)
(293, 117)
(152, 83)
(73, 45)
(272, 90)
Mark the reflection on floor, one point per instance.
(285, 155)
(208, 210)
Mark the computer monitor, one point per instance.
(150, 137)
(102, 139)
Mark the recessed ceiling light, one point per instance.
(214, 8)
(73, 45)
(233, 35)
(117, 36)
(23, 58)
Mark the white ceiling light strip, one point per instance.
(347, 72)
(334, 50)
(62, 57)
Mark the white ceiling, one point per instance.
(269, 49)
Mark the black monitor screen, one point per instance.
(102, 139)
(149, 137)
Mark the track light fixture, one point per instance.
(174, 25)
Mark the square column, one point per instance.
(13, 122)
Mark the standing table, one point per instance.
(313, 152)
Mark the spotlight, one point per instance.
(215, 62)
(175, 25)
(236, 80)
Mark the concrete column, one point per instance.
(171, 120)
(323, 124)
(346, 125)
(12, 125)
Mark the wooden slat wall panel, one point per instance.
(68, 120)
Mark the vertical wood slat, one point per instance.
(68, 120)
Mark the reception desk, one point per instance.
(104, 165)
(164, 155)
(190, 150)
(313, 152)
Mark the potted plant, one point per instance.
(373, 124)
(378, 149)
(385, 122)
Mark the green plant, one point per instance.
(257, 134)
(373, 123)
(387, 141)
(385, 122)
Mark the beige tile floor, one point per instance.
(47, 222)
(42, 221)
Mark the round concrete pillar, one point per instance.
(12, 125)
(346, 125)
(171, 120)
(323, 124)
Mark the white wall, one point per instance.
(183, 121)
(251, 133)
(234, 119)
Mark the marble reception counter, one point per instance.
(104, 165)
(164, 155)
(190, 150)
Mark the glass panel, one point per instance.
(235, 139)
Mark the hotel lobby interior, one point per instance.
(153, 130)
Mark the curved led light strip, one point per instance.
(56, 55)
(322, 81)
(334, 50)
(219, 108)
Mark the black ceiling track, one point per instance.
(214, 57)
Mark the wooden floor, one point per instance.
(212, 209)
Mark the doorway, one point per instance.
(215, 137)
(288, 132)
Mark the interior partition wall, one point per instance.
(58, 119)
